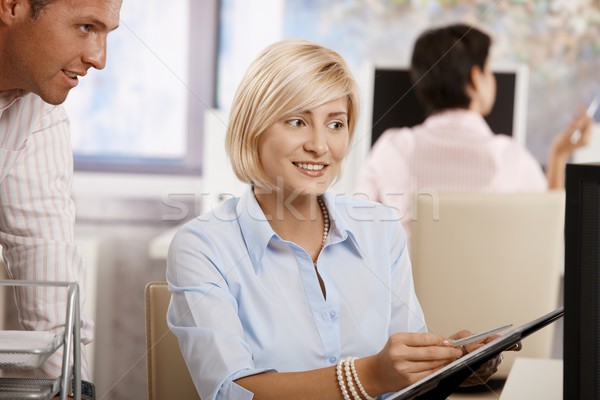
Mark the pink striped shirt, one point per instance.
(453, 151)
(37, 214)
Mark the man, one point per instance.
(46, 45)
(454, 149)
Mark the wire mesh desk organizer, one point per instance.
(27, 350)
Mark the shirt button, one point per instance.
(332, 360)
(332, 314)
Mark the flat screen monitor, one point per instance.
(581, 350)
(394, 103)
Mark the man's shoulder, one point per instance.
(24, 114)
(28, 104)
(9, 97)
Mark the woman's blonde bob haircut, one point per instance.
(288, 77)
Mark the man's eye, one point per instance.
(85, 27)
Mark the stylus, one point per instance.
(480, 335)
(591, 111)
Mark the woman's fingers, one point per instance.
(422, 347)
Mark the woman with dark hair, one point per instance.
(454, 150)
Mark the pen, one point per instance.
(477, 336)
(593, 107)
(591, 111)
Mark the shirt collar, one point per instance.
(257, 230)
(8, 97)
(339, 230)
(460, 120)
(254, 225)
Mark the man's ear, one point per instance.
(12, 11)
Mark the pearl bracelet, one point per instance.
(351, 387)
(340, 378)
(357, 381)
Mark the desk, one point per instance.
(529, 379)
(534, 379)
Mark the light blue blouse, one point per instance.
(244, 301)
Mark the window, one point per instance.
(145, 111)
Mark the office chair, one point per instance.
(168, 376)
(485, 260)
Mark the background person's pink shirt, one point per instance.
(452, 151)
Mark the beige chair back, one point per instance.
(168, 376)
(485, 260)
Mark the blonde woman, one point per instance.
(291, 292)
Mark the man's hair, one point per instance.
(288, 77)
(37, 6)
(441, 65)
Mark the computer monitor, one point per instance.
(393, 101)
(581, 350)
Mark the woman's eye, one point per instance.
(335, 125)
(295, 122)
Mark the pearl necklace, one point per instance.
(325, 221)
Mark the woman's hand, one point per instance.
(483, 373)
(489, 368)
(408, 357)
(577, 134)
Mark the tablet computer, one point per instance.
(443, 382)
